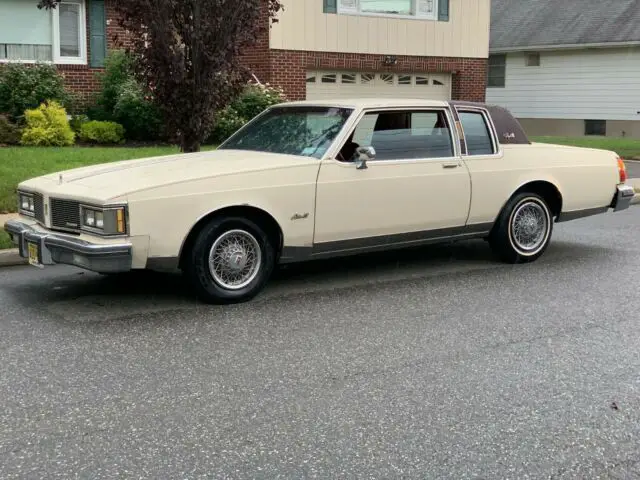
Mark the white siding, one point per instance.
(602, 84)
(303, 26)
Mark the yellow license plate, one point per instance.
(34, 257)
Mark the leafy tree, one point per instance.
(188, 53)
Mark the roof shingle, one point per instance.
(533, 23)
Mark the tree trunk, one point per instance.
(190, 145)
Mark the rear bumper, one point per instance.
(65, 249)
(622, 199)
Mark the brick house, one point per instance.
(75, 36)
(394, 48)
(319, 48)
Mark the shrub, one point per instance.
(227, 123)
(101, 132)
(118, 70)
(24, 87)
(123, 99)
(137, 113)
(9, 132)
(253, 101)
(77, 121)
(47, 125)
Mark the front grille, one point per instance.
(38, 207)
(65, 214)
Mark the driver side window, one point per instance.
(400, 135)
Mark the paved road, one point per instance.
(633, 169)
(436, 363)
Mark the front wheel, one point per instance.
(523, 230)
(230, 262)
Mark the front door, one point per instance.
(417, 185)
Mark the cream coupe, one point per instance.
(311, 180)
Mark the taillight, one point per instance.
(622, 170)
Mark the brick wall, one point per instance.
(82, 79)
(287, 69)
(256, 56)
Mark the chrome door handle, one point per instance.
(450, 165)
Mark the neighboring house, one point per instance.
(75, 36)
(569, 68)
(377, 48)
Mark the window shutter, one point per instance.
(98, 32)
(443, 10)
(330, 6)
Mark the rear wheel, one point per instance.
(231, 261)
(523, 230)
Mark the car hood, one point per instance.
(112, 180)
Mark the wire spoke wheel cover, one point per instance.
(235, 259)
(529, 226)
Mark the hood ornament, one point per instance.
(60, 179)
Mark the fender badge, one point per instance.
(297, 216)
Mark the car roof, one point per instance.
(362, 103)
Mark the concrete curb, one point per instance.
(11, 258)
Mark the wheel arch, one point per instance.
(546, 189)
(255, 214)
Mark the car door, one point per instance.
(493, 179)
(416, 186)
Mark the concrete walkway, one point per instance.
(4, 218)
(9, 258)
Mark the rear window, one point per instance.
(476, 133)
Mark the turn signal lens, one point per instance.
(622, 170)
(120, 220)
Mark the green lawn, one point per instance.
(21, 163)
(628, 148)
(5, 241)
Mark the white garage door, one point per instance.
(323, 85)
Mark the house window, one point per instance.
(497, 70)
(426, 9)
(28, 34)
(595, 127)
(532, 59)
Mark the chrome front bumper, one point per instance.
(65, 249)
(623, 198)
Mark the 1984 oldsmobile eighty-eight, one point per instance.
(310, 180)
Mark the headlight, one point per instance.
(104, 221)
(25, 204)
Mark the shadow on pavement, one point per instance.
(158, 291)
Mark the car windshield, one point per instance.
(300, 130)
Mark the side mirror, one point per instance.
(364, 155)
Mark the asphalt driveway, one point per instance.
(431, 363)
